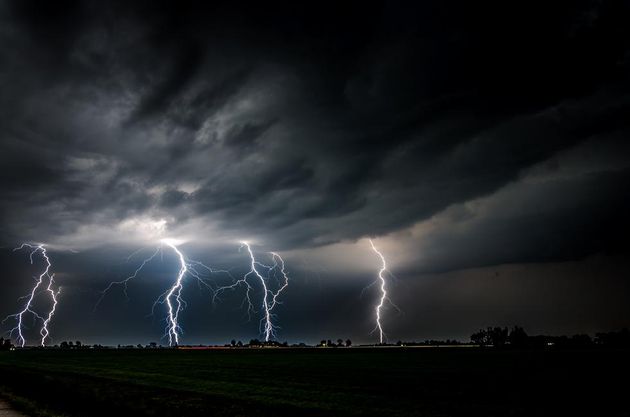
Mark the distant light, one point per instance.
(171, 241)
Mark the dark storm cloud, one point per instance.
(532, 221)
(484, 146)
(184, 68)
(302, 127)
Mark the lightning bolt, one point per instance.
(44, 332)
(262, 274)
(30, 298)
(172, 297)
(175, 292)
(124, 283)
(285, 277)
(381, 280)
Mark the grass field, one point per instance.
(318, 382)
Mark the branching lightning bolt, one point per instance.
(125, 281)
(175, 292)
(44, 332)
(172, 297)
(30, 298)
(270, 298)
(279, 267)
(382, 285)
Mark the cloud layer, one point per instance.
(299, 128)
(459, 135)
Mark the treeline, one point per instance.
(497, 337)
(339, 343)
(5, 344)
(431, 342)
(257, 343)
(516, 337)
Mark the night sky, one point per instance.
(483, 146)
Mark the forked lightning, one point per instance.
(262, 273)
(383, 289)
(172, 297)
(28, 308)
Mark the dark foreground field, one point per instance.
(318, 382)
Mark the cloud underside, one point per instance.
(475, 137)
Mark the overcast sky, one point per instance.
(483, 146)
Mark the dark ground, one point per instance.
(319, 382)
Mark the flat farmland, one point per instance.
(317, 382)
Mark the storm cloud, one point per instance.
(459, 134)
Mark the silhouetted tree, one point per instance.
(518, 337)
(233, 342)
(491, 336)
(581, 340)
(480, 338)
(239, 344)
(340, 342)
(614, 339)
(498, 336)
(348, 343)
